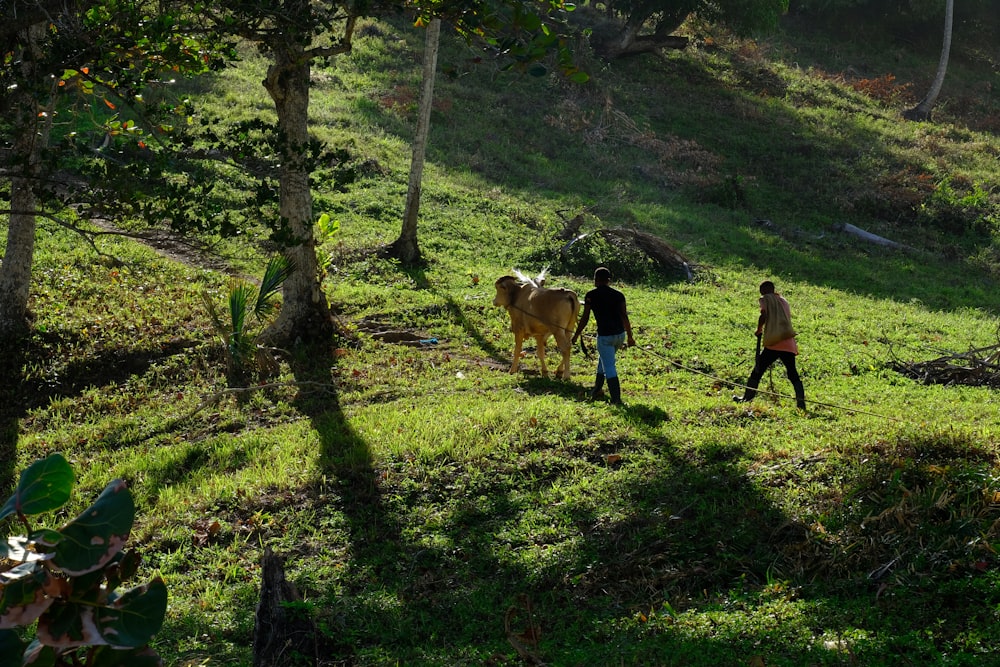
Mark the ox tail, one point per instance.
(574, 301)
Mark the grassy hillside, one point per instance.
(434, 507)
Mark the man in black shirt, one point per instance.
(613, 330)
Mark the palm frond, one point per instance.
(240, 295)
(277, 271)
(213, 313)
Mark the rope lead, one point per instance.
(834, 406)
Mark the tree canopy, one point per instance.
(77, 140)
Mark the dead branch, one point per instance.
(979, 367)
(666, 256)
(530, 636)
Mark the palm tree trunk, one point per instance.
(922, 111)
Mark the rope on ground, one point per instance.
(834, 406)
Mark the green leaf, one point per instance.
(136, 616)
(240, 294)
(531, 21)
(92, 539)
(22, 595)
(129, 622)
(46, 485)
(277, 271)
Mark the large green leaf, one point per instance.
(128, 622)
(22, 595)
(92, 539)
(45, 485)
(133, 619)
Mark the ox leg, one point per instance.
(518, 340)
(565, 344)
(541, 354)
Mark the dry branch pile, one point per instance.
(978, 368)
(669, 260)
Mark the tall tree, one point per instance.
(33, 126)
(406, 247)
(292, 34)
(922, 111)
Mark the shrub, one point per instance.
(66, 579)
(240, 333)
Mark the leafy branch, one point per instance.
(66, 580)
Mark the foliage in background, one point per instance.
(66, 580)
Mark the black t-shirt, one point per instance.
(606, 303)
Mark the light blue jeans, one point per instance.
(607, 346)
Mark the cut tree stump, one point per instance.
(284, 634)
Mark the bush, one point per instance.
(66, 580)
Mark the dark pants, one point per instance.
(764, 361)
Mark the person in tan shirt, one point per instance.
(774, 327)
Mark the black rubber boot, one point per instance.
(598, 385)
(615, 389)
(800, 400)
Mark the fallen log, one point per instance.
(666, 256)
(848, 228)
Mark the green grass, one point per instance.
(424, 496)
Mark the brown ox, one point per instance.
(537, 312)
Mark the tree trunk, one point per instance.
(31, 136)
(629, 42)
(283, 636)
(406, 247)
(305, 314)
(922, 111)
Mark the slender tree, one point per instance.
(922, 111)
(32, 114)
(406, 247)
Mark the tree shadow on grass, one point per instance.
(20, 394)
(11, 411)
(474, 333)
(352, 487)
(677, 532)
